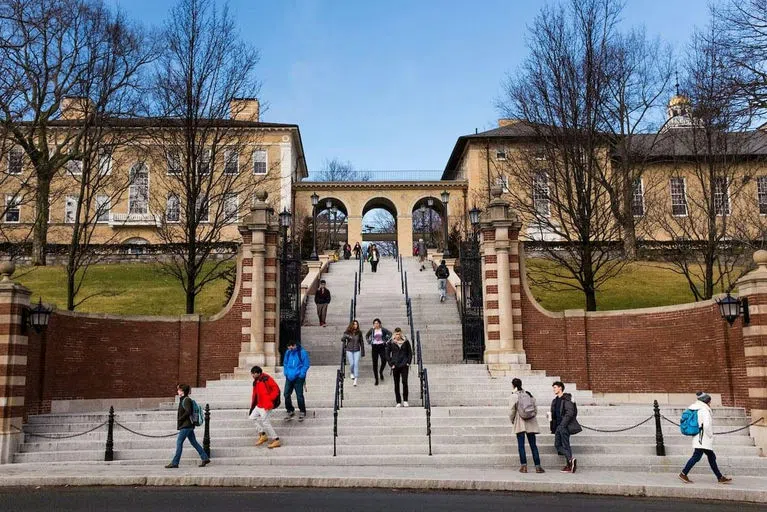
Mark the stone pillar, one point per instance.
(354, 229)
(259, 266)
(14, 299)
(405, 234)
(500, 272)
(753, 286)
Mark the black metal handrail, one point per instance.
(407, 295)
(427, 405)
(337, 403)
(419, 360)
(409, 310)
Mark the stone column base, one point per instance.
(759, 434)
(503, 357)
(9, 444)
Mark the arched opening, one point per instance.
(379, 225)
(427, 221)
(332, 225)
(138, 193)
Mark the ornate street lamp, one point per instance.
(328, 206)
(445, 199)
(430, 202)
(731, 307)
(37, 317)
(334, 211)
(315, 201)
(474, 219)
(422, 209)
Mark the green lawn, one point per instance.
(128, 289)
(640, 285)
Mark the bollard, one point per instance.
(109, 454)
(206, 436)
(660, 449)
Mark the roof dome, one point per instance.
(679, 99)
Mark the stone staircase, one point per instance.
(470, 425)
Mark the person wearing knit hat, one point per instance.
(703, 441)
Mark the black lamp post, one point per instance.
(334, 211)
(430, 202)
(315, 200)
(422, 209)
(285, 217)
(731, 307)
(328, 206)
(474, 219)
(445, 199)
(37, 317)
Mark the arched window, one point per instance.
(138, 200)
(173, 209)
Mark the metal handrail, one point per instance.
(406, 290)
(419, 360)
(337, 401)
(427, 405)
(409, 309)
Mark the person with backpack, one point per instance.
(354, 348)
(322, 299)
(422, 253)
(374, 257)
(523, 416)
(263, 400)
(399, 353)
(295, 364)
(189, 416)
(698, 422)
(442, 274)
(378, 337)
(564, 423)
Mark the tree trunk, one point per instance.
(629, 239)
(191, 277)
(70, 289)
(40, 229)
(588, 280)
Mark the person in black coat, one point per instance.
(399, 354)
(564, 423)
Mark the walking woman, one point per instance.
(522, 416)
(378, 337)
(399, 353)
(373, 257)
(354, 347)
(357, 251)
(347, 251)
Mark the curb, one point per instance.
(634, 490)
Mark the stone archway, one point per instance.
(379, 224)
(427, 213)
(332, 222)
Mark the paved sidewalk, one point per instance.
(751, 489)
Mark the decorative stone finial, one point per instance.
(496, 191)
(760, 258)
(7, 268)
(261, 195)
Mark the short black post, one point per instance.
(660, 448)
(206, 436)
(109, 454)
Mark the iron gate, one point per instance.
(472, 312)
(290, 296)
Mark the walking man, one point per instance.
(295, 364)
(185, 427)
(263, 400)
(421, 253)
(322, 299)
(442, 274)
(564, 423)
(378, 337)
(703, 441)
(399, 353)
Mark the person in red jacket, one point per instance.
(264, 399)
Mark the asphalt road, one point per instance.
(196, 499)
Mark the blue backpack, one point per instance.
(198, 418)
(689, 423)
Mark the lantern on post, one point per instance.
(731, 308)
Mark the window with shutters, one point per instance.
(678, 197)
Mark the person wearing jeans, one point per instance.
(399, 353)
(186, 428)
(442, 274)
(295, 365)
(374, 257)
(524, 427)
(703, 442)
(354, 348)
(564, 423)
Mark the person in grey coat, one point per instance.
(524, 427)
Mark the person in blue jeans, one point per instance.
(524, 427)
(186, 428)
(354, 347)
(295, 364)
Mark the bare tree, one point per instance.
(743, 35)
(212, 161)
(51, 53)
(561, 93)
(336, 170)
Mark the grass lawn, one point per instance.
(128, 289)
(640, 285)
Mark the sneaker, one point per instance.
(301, 416)
(261, 439)
(382, 377)
(290, 415)
(573, 465)
(523, 469)
(566, 469)
(355, 382)
(725, 480)
(539, 469)
(376, 383)
(274, 444)
(684, 478)
(204, 463)
(405, 404)
(398, 405)
(171, 466)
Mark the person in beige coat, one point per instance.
(521, 404)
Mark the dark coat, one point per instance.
(567, 414)
(442, 272)
(385, 334)
(321, 297)
(353, 342)
(184, 419)
(399, 356)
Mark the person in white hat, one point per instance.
(703, 442)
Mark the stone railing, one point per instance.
(133, 219)
(312, 279)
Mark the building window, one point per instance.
(721, 196)
(12, 209)
(15, 161)
(70, 209)
(637, 198)
(231, 208)
(500, 154)
(205, 156)
(259, 161)
(678, 197)
(105, 162)
(173, 209)
(541, 194)
(103, 207)
(203, 209)
(174, 162)
(503, 182)
(761, 194)
(138, 194)
(75, 167)
(231, 161)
